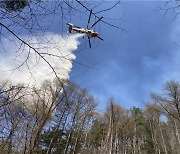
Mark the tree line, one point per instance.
(43, 120)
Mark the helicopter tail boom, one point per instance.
(70, 27)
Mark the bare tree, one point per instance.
(172, 6)
(27, 111)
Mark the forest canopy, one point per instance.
(76, 125)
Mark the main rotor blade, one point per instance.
(89, 18)
(100, 38)
(96, 22)
(89, 42)
(76, 26)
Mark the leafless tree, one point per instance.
(27, 111)
(171, 6)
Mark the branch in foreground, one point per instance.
(31, 47)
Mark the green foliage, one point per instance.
(148, 147)
(58, 143)
(14, 5)
(138, 117)
(98, 133)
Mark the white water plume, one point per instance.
(53, 57)
(47, 57)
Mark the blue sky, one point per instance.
(131, 65)
(126, 65)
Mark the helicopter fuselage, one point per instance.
(88, 32)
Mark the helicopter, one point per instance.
(87, 31)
